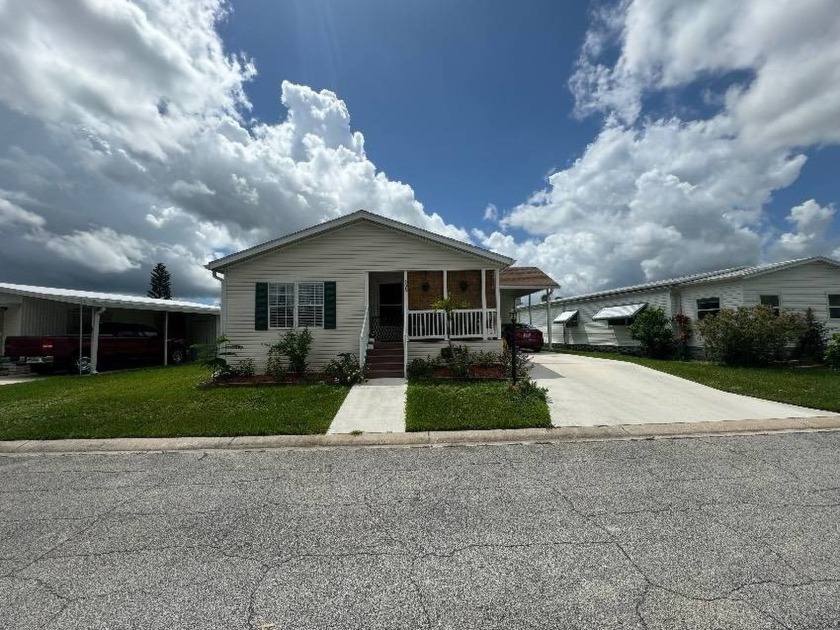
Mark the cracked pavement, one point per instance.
(719, 532)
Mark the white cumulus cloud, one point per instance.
(130, 124)
(652, 197)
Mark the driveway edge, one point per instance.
(430, 438)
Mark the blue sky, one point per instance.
(465, 101)
(608, 142)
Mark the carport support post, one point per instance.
(94, 339)
(166, 337)
(549, 323)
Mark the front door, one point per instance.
(390, 312)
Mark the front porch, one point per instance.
(400, 319)
(399, 305)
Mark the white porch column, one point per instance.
(445, 295)
(94, 340)
(484, 304)
(405, 322)
(548, 315)
(498, 307)
(166, 338)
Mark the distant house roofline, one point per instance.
(109, 300)
(720, 275)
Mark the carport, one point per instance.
(46, 311)
(517, 282)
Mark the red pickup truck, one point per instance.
(119, 345)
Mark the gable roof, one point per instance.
(110, 300)
(732, 273)
(526, 278)
(349, 219)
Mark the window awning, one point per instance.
(616, 312)
(565, 316)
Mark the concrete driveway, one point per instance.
(591, 392)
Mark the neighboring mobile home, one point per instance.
(603, 318)
(365, 284)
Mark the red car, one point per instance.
(527, 337)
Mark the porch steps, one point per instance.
(385, 360)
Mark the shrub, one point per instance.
(419, 368)
(748, 335)
(345, 370)
(527, 388)
(294, 345)
(652, 330)
(681, 325)
(274, 365)
(245, 367)
(832, 352)
(460, 361)
(484, 358)
(214, 356)
(812, 342)
(523, 361)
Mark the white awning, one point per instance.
(616, 312)
(565, 316)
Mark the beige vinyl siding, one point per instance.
(798, 288)
(423, 349)
(343, 256)
(600, 333)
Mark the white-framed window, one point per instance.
(707, 306)
(295, 305)
(310, 304)
(834, 306)
(281, 305)
(772, 301)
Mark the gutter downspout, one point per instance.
(94, 339)
(221, 324)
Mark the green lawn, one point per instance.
(816, 387)
(160, 402)
(471, 405)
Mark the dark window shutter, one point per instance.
(261, 306)
(329, 305)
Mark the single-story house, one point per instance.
(603, 318)
(51, 312)
(365, 284)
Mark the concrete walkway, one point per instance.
(590, 392)
(376, 406)
(14, 380)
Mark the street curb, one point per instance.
(430, 438)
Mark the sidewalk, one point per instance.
(375, 406)
(431, 438)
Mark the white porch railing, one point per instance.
(465, 324)
(363, 340)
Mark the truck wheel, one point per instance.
(85, 364)
(177, 357)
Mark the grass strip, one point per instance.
(160, 402)
(472, 405)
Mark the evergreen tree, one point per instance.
(160, 285)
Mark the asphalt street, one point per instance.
(730, 532)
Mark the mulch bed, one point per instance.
(476, 372)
